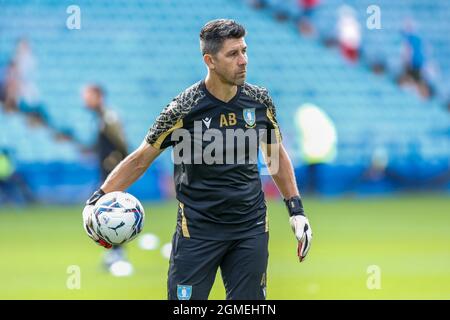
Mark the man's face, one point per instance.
(91, 98)
(231, 61)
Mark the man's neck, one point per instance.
(100, 110)
(222, 91)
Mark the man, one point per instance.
(318, 139)
(111, 147)
(13, 186)
(222, 219)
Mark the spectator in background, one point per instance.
(18, 81)
(28, 93)
(111, 148)
(413, 53)
(307, 9)
(318, 142)
(257, 4)
(13, 186)
(348, 33)
(9, 90)
(414, 61)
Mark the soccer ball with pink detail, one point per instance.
(118, 217)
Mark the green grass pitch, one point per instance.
(406, 237)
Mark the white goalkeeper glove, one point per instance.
(300, 226)
(87, 220)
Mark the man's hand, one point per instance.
(87, 219)
(303, 233)
(300, 226)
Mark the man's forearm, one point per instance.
(123, 175)
(130, 169)
(284, 176)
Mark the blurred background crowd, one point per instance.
(363, 104)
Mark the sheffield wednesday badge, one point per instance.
(249, 117)
(184, 292)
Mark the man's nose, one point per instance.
(242, 60)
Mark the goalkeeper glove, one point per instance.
(87, 219)
(300, 225)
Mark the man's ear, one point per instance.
(209, 60)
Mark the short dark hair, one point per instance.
(215, 32)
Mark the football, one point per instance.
(118, 217)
